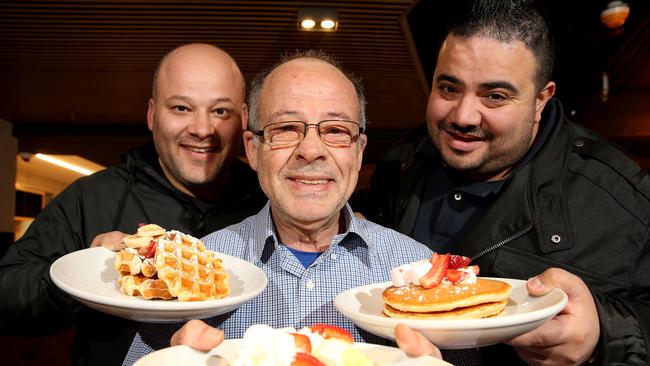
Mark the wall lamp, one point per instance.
(318, 19)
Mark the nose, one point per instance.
(202, 125)
(466, 113)
(311, 147)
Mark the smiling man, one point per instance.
(507, 180)
(189, 180)
(305, 140)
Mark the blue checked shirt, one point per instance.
(297, 296)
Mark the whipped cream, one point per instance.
(410, 273)
(265, 346)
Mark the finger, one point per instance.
(197, 334)
(549, 334)
(556, 277)
(413, 343)
(113, 240)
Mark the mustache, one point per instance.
(211, 141)
(466, 131)
(315, 168)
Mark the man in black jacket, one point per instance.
(189, 180)
(505, 179)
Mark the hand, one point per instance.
(197, 334)
(570, 337)
(413, 343)
(113, 240)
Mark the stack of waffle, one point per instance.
(159, 264)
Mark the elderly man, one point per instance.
(189, 179)
(305, 140)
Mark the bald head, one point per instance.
(200, 55)
(196, 115)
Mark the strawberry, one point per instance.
(454, 275)
(434, 257)
(474, 269)
(302, 342)
(458, 261)
(436, 273)
(148, 251)
(331, 331)
(305, 359)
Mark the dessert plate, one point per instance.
(88, 276)
(225, 353)
(364, 306)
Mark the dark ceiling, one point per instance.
(76, 75)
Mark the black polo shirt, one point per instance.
(451, 205)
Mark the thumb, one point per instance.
(414, 343)
(551, 278)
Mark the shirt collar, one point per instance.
(264, 231)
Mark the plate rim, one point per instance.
(160, 306)
(234, 342)
(454, 324)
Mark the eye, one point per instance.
(180, 108)
(496, 97)
(221, 112)
(447, 90)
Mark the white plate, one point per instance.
(224, 354)
(364, 306)
(88, 276)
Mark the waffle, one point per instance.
(146, 287)
(171, 265)
(190, 271)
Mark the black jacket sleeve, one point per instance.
(30, 302)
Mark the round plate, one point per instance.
(225, 353)
(88, 276)
(364, 306)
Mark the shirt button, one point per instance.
(333, 256)
(556, 239)
(458, 196)
(310, 284)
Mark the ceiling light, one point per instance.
(308, 23)
(63, 164)
(318, 19)
(615, 14)
(327, 24)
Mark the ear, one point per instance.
(542, 98)
(151, 111)
(244, 117)
(251, 148)
(363, 140)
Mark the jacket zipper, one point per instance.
(503, 242)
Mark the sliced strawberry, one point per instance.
(458, 261)
(434, 257)
(436, 273)
(454, 275)
(302, 342)
(148, 251)
(332, 331)
(474, 269)
(305, 359)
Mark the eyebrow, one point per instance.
(295, 114)
(487, 85)
(189, 100)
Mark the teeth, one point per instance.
(195, 149)
(322, 181)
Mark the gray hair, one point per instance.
(258, 83)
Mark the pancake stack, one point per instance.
(461, 299)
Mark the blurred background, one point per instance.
(75, 76)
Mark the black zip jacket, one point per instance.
(118, 198)
(580, 204)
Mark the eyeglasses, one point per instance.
(333, 132)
